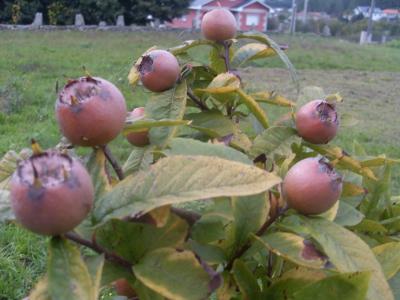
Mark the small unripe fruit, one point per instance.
(90, 111)
(141, 138)
(219, 25)
(159, 70)
(123, 288)
(51, 193)
(312, 186)
(317, 122)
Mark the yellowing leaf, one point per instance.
(177, 274)
(179, 179)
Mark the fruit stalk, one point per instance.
(114, 163)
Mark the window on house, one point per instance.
(252, 20)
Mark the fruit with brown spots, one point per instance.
(159, 70)
(312, 186)
(317, 122)
(140, 138)
(219, 25)
(51, 193)
(90, 111)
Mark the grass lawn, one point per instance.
(32, 62)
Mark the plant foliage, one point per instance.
(200, 211)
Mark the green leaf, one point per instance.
(254, 108)
(6, 213)
(210, 228)
(272, 98)
(250, 213)
(214, 124)
(293, 248)
(68, 276)
(345, 250)
(177, 274)
(395, 285)
(352, 286)
(216, 58)
(265, 39)
(223, 83)
(95, 266)
(347, 215)
(378, 198)
(246, 281)
(133, 240)
(97, 170)
(388, 256)
(169, 105)
(275, 140)
(139, 159)
(145, 293)
(370, 226)
(209, 253)
(181, 146)
(188, 45)
(250, 52)
(179, 179)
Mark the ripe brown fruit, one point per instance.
(159, 70)
(123, 288)
(312, 186)
(317, 122)
(219, 25)
(51, 193)
(90, 111)
(141, 138)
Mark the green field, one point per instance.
(32, 62)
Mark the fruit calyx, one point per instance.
(327, 112)
(146, 65)
(45, 170)
(77, 91)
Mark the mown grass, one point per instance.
(32, 62)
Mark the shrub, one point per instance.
(201, 210)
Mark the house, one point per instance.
(377, 15)
(250, 15)
(391, 14)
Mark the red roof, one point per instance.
(391, 11)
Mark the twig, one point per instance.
(196, 100)
(227, 45)
(114, 258)
(114, 163)
(260, 232)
